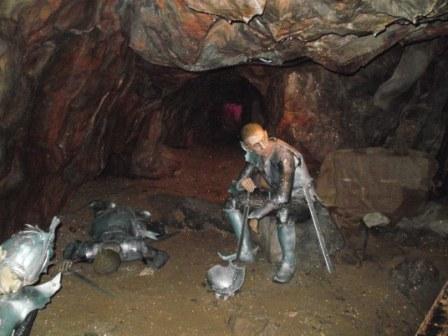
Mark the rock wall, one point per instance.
(324, 111)
(78, 96)
(69, 99)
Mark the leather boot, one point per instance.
(235, 218)
(287, 239)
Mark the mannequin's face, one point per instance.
(258, 143)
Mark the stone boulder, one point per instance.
(357, 182)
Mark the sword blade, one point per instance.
(320, 237)
(92, 284)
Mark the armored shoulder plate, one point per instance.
(289, 148)
(26, 255)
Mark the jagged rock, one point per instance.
(203, 35)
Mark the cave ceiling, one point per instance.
(343, 36)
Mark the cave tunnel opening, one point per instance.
(211, 109)
(183, 112)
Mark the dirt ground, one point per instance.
(355, 300)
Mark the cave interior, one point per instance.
(121, 91)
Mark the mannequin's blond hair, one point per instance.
(250, 130)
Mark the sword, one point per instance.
(320, 237)
(92, 284)
(66, 268)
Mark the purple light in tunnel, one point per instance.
(232, 115)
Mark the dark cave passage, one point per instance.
(211, 109)
(181, 110)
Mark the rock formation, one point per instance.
(90, 86)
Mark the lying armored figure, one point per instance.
(23, 258)
(118, 234)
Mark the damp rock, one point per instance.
(188, 212)
(375, 219)
(200, 214)
(434, 219)
(417, 279)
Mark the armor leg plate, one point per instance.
(156, 258)
(153, 257)
(235, 218)
(79, 251)
(287, 239)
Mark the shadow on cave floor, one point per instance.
(356, 300)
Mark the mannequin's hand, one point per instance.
(248, 184)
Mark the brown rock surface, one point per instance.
(355, 183)
(84, 94)
(343, 36)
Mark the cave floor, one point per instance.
(355, 300)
